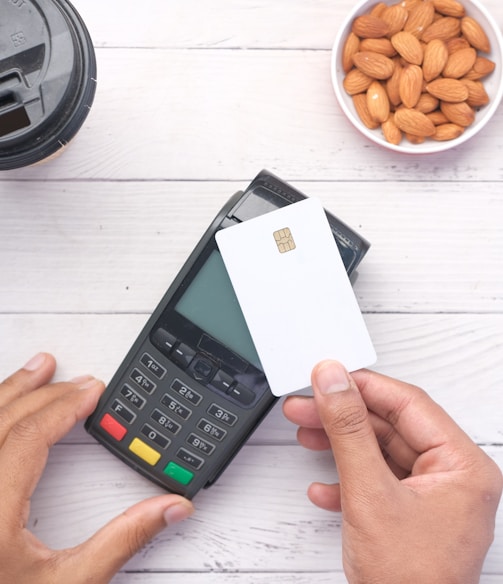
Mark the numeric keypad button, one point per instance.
(211, 429)
(155, 436)
(224, 416)
(186, 392)
(201, 445)
(167, 423)
(132, 397)
(176, 407)
(153, 366)
(142, 381)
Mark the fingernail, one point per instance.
(86, 382)
(331, 377)
(178, 512)
(35, 362)
(81, 379)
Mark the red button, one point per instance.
(112, 426)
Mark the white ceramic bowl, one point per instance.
(493, 83)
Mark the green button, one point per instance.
(178, 473)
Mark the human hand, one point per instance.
(33, 416)
(418, 497)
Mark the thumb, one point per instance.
(345, 419)
(100, 557)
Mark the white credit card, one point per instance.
(296, 297)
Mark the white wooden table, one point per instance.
(194, 98)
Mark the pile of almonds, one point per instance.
(414, 69)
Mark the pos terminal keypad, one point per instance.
(163, 434)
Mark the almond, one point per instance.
(408, 47)
(437, 117)
(413, 122)
(395, 16)
(477, 95)
(458, 113)
(427, 103)
(356, 82)
(456, 44)
(360, 103)
(391, 131)
(450, 90)
(447, 132)
(444, 29)
(409, 5)
(378, 9)
(475, 34)
(368, 26)
(382, 46)
(459, 63)
(415, 139)
(378, 102)
(435, 59)
(373, 64)
(449, 8)
(481, 69)
(351, 46)
(411, 85)
(420, 18)
(393, 85)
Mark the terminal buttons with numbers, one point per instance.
(142, 381)
(153, 366)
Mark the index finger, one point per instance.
(36, 373)
(414, 415)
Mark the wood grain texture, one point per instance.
(114, 247)
(456, 358)
(256, 515)
(223, 114)
(194, 99)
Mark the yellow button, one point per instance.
(144, 451)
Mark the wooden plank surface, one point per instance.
(194, 99)
(455, 357)
(255, 516)
(223, 114)
(435, 247)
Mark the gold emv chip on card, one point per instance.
(284, 240)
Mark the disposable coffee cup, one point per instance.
(47, 79)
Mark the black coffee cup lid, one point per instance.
(47, 78)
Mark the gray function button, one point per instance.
(222, 415)
(211, 430)
(176, 407)
(121, 410)
(163, 340)
(155, 436)
(132, 397)
(153, 366)
(142, 381)
(189, 458)
(222, 381)
(165, 422)
(186, 392)
(199, 444)
(242, 394)
(183, 355)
